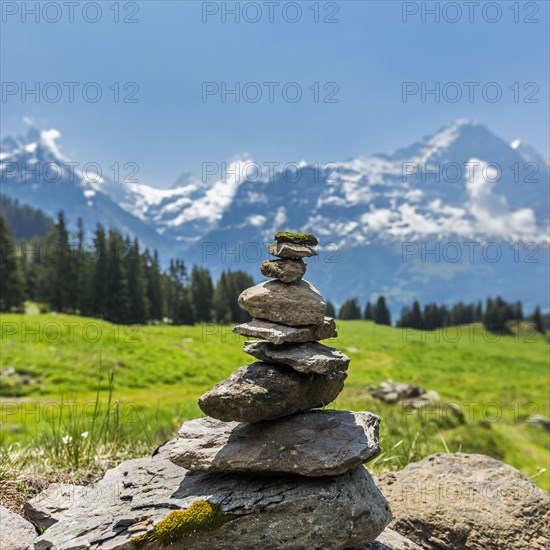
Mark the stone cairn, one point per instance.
(265, 421)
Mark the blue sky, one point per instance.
(360, 61)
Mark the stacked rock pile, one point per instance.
(264, 419)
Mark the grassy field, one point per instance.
(79, 394)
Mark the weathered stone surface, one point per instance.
(263, 392)
(283, 512)
(46, 508)
(287, 271)
(16, 533)
(389, 540)
(290, 250)
(313, 443)
(295, 304)
(279, 334)
(306, 357)
(467, 502)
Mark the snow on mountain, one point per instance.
(460, 184)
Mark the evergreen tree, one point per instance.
(537, 321)
(100, 286)
(58, 280)
(381, 314)
(330, 312)
(11, 276)
(134, 265)
(350, 310)
(222, 305)
(154, 287)
(118, 309)
(202, 291)
(368, 316)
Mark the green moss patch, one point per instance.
(179, 524)
(297, 238)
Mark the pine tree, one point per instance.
(537, 320)
(58, 282)
(222, 306)
(100, 287)
(11, 276)
(154, 287)
(134, 265)
(381, 312)
(330, 312)
(118, 309)
(350, 310)
(368, 312)
(202, 291)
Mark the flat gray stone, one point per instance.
(46, 508)
(263, 392)
(290, 250)
(262, 512)
(312, 443)
(16, 533)
(279, 334)
(389, 540)
(287, 271)
(294, 304)
(306, 357)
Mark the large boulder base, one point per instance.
(313, 443)
(249, 512)
(16, 533)
(279, 334)
(290, 250)
(295, 304)
(263, 392)
(467, 502)
(306, 357)
(287, 271)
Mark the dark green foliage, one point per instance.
(381, 315)
(25, 222)
(298, 238)
(11, 276)
(202, 292)
(226, 294)
(330, 312)
(367, 315)
(537, 321)
(350, 310)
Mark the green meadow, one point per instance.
(81, 394)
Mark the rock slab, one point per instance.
(283, 512)
(46, 508)
(294, 304)
(290, 250)
(389, 540)
(307, 357)
(279, 334)
(260, 391)
(287, 271)
(16, 533)
(313, 443)
(467, 502)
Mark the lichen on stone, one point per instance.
(179, 524)
(297, 238)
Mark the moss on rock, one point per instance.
(297, 238)
(200, 516)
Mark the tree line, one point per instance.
(377, 312)
(112, 278)
(496, 315)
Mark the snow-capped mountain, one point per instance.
(462, 184)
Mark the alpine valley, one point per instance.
(458, 215)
